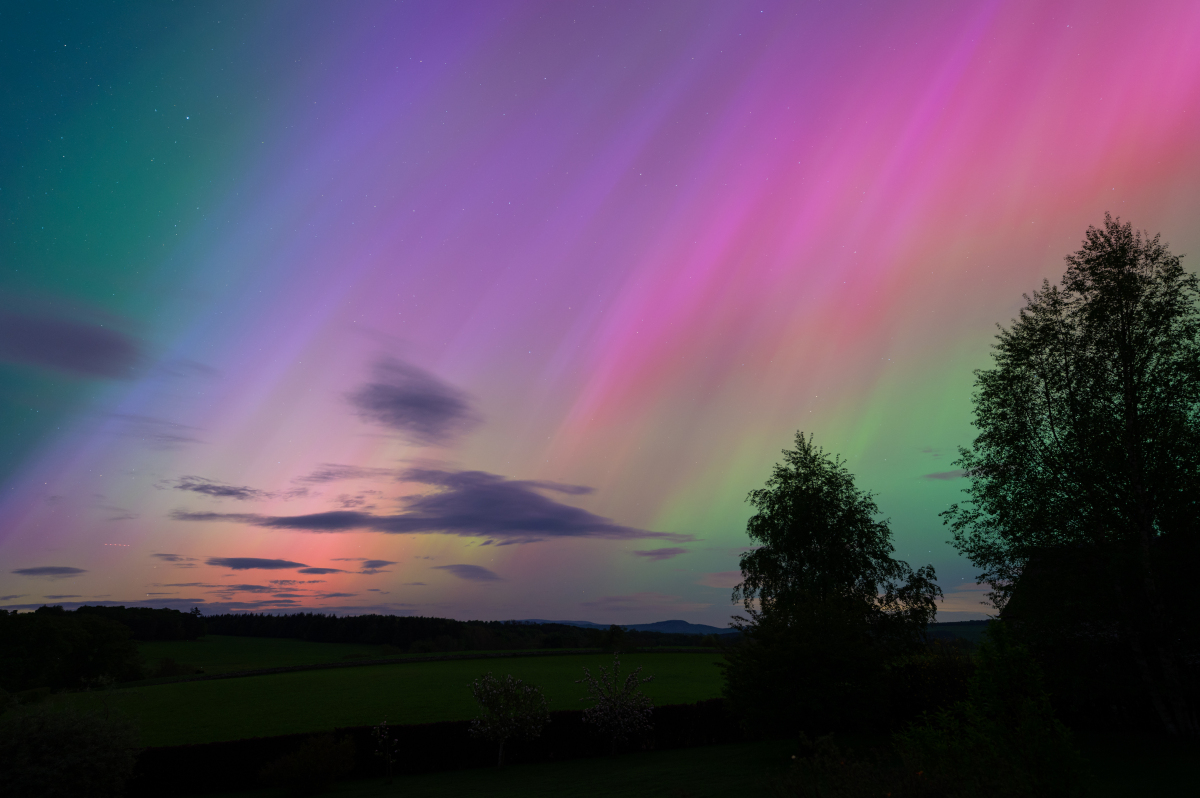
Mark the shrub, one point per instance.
(1003, 740)
(508, 708)
(313, 768)
(63, 753)
(622, 711)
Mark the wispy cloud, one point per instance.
(157, 433)
(332, 472)
(468, 504)
(318, 571)
(645, 603)
(957, 473)
(219, 490)
(661, 554)
(415, 403)
(175, 558)
(471, 573)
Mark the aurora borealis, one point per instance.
(499, 309)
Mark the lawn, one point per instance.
(404, 692)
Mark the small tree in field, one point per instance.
(508, 708)
(622, 711)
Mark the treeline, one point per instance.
(53, 648)
(418, 634)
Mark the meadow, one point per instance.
(407, 691)
(218, 654)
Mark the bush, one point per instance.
(622, 712)
(313, 768)
(63, 753)
(1003, 740)
(508, 708)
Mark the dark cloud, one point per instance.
(415, 584)
(472, 573)
(332, 472)
(82, 348)
(661, 554)
(468, 504)
(245, 589)
(219, 490)
(322, 571)
(52, 571)
(336, 595)
(415, 403)
(11, 597)
(289, 582)
(957, 473)
(248, 563)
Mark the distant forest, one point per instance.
(56, 648)
(420, 634)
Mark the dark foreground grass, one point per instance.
(739, 769)
(1119, 767)
(405, 692)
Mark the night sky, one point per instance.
(499, 309)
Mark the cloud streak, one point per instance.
(333, 472)
(957, 473)
(415, 403)
(219, 490)
(467, 504)
(661, 554)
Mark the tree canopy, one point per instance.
(820, 541)
(1088, 453)
(828, 605)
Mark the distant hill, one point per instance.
(668, 627)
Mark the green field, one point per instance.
(223, 654)
(404, 692)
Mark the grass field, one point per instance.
(405, 692)
(223, 654)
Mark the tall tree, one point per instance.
(1088, 455)
(828, 605)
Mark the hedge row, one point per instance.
(424, 748)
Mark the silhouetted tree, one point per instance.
(508, 708)
(828, 605)
(1087, 465)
